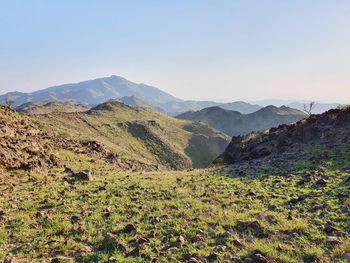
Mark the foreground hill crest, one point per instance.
(136, 135)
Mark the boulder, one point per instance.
(111, 242)
(83, 176)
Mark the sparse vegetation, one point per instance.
(289, 207)
(308, 108)
(223, 213)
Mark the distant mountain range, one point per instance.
(100, 90)
(236, 123)
(299, 105)
(93, 92)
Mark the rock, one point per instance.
(61, 260)
(107, 212)
(213, 257)
(74, 219)
(295, 200)
(84, 176)
(256, 257)
(220, 248)
(129, 229)
(253, 228)
(173, 249)
(334, 240)
(329, 228)
(111, 242)
(68, 170)
(237, 242)
(179, 242)
(182, 240)
(321, 182)
(347, 257)
(2, 215)
(347, 180)
(10, 260)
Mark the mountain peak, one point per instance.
(93, 92)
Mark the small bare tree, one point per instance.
(9, 102)
(308, 108)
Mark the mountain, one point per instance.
(240, 106)
(330, 129)
(92, 92)
(138, 135)
(319, 108)
(96, 91)
(174, 108)
(235, 123)
(178, 107)
(134, 102)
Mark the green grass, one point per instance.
(178, 215)
(182, 141)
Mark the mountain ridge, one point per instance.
(92, 92)
(137, 134)
(236, 123)
(329, 128)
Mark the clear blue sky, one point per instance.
(199, 49)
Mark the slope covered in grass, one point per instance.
(139, 134)
(235, 213)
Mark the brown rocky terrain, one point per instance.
(21, 144)
(328, 129)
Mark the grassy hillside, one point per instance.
(140, 134)
(54, 106)
(288, 206)
(237, 213)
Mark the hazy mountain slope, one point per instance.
(318, 108)
(235, 123)
(93, 92)
(178, 107)
(240, 106)
(134, 102)
(174, 108)
(139, 134)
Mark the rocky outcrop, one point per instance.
(332, 127)
(22, 145)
